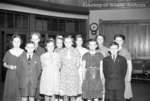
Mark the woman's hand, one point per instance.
(12, 67)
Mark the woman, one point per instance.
(101, 48)
(11, 87)
(59, 43)
(50, 77)
(92, 77)
(70, 58)
(79, 45)
(59, 46)
(82, 51)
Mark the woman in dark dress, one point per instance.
(92, 82)
(11, 89)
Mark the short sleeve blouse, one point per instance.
(92, 60)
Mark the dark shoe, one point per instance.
(128, 99)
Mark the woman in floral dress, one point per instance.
(69, 85)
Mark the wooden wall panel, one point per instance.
(137, 37)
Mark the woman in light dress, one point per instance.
(50, 77)
(82, 50)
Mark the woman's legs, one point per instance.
(53, 98)
(46, 98)
(130, 99)
(24, 99)
(96, 99)
(89, 100)
(31, 98)
(66, 98)
(73, 99)
(79, 98)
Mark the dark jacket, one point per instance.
(114, 72)
(28, 71)
(39, 51)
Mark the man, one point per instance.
(35, 38)
(120, 39)
(114, 71)
(29, 68)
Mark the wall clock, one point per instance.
(94, 27)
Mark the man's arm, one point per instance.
(129, 70)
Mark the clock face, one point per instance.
(94, 27)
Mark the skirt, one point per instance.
(92, 85)
(11, 87)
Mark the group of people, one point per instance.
(65, 68)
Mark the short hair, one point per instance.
(68, 36)
(16, 36)
(13, 37)
(49, 40)
(119, 35)
(101, 36)
(78, 36)
(36, 33)
(59, 36)
(114, 43)
(91, 40)
(29, 42)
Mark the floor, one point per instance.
(1, 90)
(141, 90)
